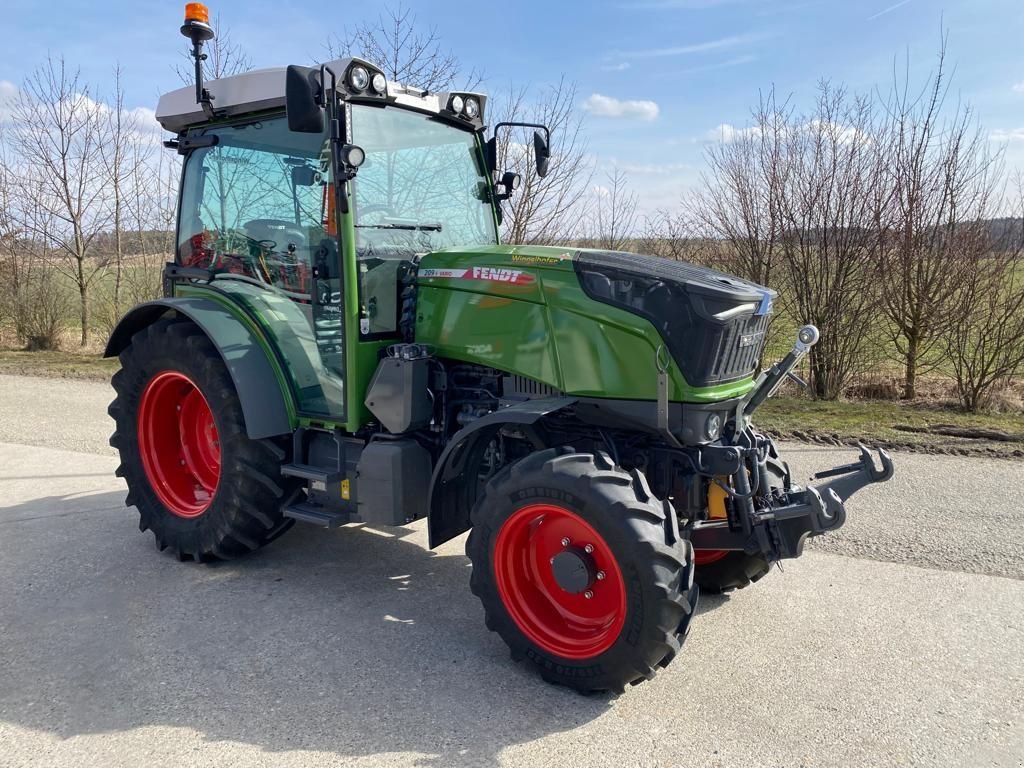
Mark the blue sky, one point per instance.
(656, 78)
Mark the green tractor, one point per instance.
(344, 339)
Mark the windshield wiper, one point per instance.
(407, 227)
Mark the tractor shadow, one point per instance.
(350, 641)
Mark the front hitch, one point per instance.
(779, 529)
(847, 480)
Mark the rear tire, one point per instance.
(200, 484)
(638, 572)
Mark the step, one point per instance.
(317, 515)
(309, 472)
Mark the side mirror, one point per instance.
(301, 89)
(542, 153)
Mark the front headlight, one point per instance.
(457, 104)
(713, 426)
(359, 78)
(380, 83)
(472, 108)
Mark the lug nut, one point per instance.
(565, 542)
(588, 594)
(600, 575)
(589, 548)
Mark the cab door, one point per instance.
(254, 213)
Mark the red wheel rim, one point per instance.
(564, 623)
(708, 556)
(179, 444)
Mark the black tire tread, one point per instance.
(247, 510)
(736, 570)
(670, 562)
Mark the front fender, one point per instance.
(263, 402)
(452, 492)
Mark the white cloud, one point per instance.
(842, 134)
(1018, 87)
(622, 66)
(1013, 134)
(607, 106)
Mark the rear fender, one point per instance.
(452, 490)
(262, 399)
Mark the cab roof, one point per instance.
(260, 90)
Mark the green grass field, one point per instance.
(878, 421)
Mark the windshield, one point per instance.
(422, 184)
(421, 188)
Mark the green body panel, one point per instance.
(258, 330)
(521, 309)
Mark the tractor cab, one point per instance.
(309, 193)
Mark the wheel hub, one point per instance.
(574, 570)
(559, 581)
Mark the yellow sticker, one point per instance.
(346, 489)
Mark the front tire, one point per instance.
(200, 484)
(581, 570)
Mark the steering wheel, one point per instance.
(275, 231)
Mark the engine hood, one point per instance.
(712, 324)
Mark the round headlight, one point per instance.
(380, 83)
(472, 109)
(354, 156)
(457, 104)
(359, 78)
(713, 426)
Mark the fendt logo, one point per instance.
(502, 275)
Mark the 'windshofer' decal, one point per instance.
(490, 274)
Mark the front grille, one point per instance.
(731, 352)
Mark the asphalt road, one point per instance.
(891, 643)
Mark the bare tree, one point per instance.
(59, 133)
(122, 128)
(984, 341)
(408, 52)
(676, 235)
(831, 183)
(553, 208)
(614, 217)
(740, 200)
(942, 180)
